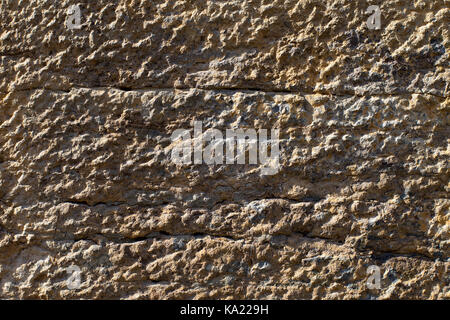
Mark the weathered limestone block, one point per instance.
(87, 179)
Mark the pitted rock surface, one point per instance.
(86, 177)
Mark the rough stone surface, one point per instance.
(86, 177)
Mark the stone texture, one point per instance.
(86, 177)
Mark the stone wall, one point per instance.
(92, 206)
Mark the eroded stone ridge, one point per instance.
(87, 181)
